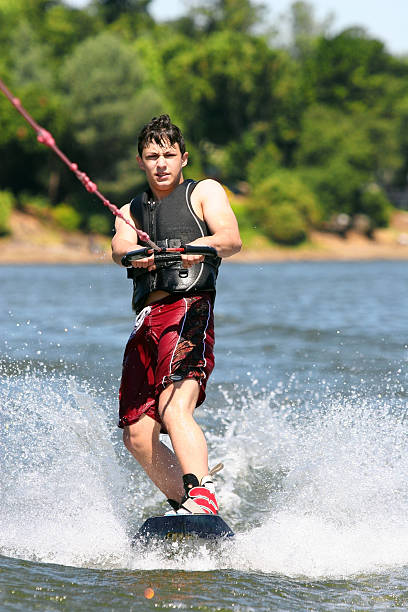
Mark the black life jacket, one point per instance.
(171, 222)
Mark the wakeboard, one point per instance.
(180, 526)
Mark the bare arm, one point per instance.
(220, 218)
(125, 240)
(209, 197)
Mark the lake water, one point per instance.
(306, 408)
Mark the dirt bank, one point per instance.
(32, 241)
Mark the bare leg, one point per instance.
(158, 461)
(176, 406)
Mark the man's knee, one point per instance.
(178, 400)
(130, 439)
(139, 437)
(177, 417)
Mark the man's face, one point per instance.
(163, 164)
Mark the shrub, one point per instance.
(284, 208)
(67, 217)
(7, 202)
(36, 205)
(264, 164)
(286, 186)
(337, 185)
(283, 224)
(99, 224)
(375, 204)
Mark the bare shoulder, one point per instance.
(209, 188)
(125, 209)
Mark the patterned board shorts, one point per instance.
(173, 339)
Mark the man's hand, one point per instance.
(149, 265)
(190, 260)
(146, 262)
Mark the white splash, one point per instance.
(63, 492)
(335, 497)
(315, 494)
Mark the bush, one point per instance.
(286, 186)
(99, 224)
(337, 185)
(375, 204)
(283, 224)
(7, 202)
(284, 208)
(264, 164)
(67, 217)
(36, 205)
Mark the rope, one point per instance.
(46, 138)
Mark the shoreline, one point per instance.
(32, 242)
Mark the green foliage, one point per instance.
(223, 72)
(111, 10)
(99, 224)
(7, 203)
(30, 58)
(305, 30)
(284, 208)
(36, 205)
(234, 15)
(343, 80)
(329, 112)
(339, 154)
(67, 217)
(63, 27)
(283, 224)
(265, 162)
(375, 204)
(107, 87)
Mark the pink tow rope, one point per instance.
(47, 139)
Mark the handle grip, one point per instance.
(135, 255)
(163, 254)
(192, 249)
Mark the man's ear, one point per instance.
(184, 159)
(140, 162)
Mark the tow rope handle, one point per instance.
(46, 138)
(167, 254)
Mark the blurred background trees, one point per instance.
(302, 133)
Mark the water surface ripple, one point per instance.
(307, 408)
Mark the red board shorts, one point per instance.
(173, 339)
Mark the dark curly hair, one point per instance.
(160, 130)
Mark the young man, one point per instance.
(169, 355)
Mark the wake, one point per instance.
(315, 492)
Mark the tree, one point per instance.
(233, 15)
(231, 89)
(305, 29)
(31, 76)
(340, 154)
(347, 69)
(109, 95)
(111, 10)
(64, 27)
